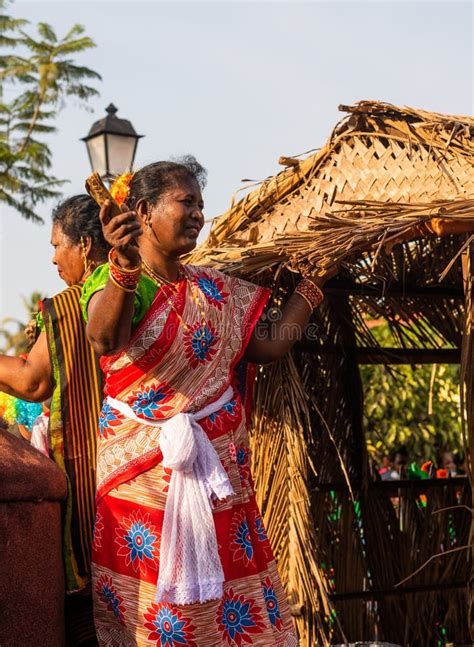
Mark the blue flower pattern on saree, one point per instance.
(151, 401)
(107, 420)
(137, 537)
(169, 628)
(200, 344)
(236, 617)
(260, 529)
(243, 539)
(239, 617)
(140, 542)
(213, 289)
(271, 603)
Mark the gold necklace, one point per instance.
(161, 282)
(159, 277)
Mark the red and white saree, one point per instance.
(182, 357)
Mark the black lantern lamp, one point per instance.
(111, 145)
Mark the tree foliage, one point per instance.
(37, 74)
(414, 406)
(12, 331)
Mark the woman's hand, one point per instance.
(121, 232)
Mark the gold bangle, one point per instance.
(115, 282)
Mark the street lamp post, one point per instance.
(111, 145)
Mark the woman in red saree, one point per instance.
(180, 551)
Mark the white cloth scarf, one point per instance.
(190, 567)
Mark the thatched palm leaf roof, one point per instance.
(382, 170)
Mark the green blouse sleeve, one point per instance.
(144, 295)
(40, 321)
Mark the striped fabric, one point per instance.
(75, 408)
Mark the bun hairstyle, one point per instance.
(152, 181)
(78, 217)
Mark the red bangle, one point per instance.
(127, 279)
(310, 292)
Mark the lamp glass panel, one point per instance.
(96, 148)
(121, 149)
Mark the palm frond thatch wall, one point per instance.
(342, 548)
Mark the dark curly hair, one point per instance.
(150, 182)
(79, 216)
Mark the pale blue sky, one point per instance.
(237, 85)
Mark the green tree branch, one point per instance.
(40, 72)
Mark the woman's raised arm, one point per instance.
(272, 341)
(110, 311)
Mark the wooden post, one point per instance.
(467, 385)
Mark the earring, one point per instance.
(87, 263)
(148, 224)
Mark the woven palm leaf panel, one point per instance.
(340, 546)
(379, 153)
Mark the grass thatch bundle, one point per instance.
(341, 547)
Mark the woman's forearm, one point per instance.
(29, 379)
(110, 314)
(12, 373)
(273, 340)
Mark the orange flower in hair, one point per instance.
(121, 188)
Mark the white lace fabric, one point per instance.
(190, 566)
